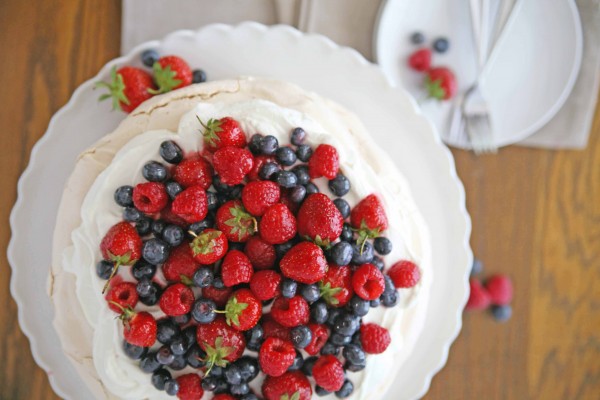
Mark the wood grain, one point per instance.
(536, 217)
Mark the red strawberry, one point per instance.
(329, 373)
(236, 268)
(150, 197)
(190, 387)
(276, 356)
(305, 263)
(319, 219)
(259, 161)
(243, 310)
(219, 296)
(219, 133)
(265, 284)
(235, 222)
(139, 328)
(273, 328)
(291, 385)
(121, 296)
(176, 300)
(500, 289)
(261, 254)
(369, 218)
(193, 171)
(259, 195)
(420, 60)
(336, 287)
(479, 298)
(290, 312)
(320, 334)
(129, 87)
(232, 164)
(375, 339)
(440, 83)
(191, 205)
(121, 245)
(325, 161)
(170, 73)
(209, 246)
(221, 343)
(404, 274)
(180, 264)
(368, 282)
(278, 225)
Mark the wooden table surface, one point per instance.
(536, 217)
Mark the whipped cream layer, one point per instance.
(119, 375)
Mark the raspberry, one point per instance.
(329, 373)
(191, 205)
(420, 60)
(290, 312)
(219, 296)
(176, 300)
(180, 263)
(320, 334)
(368, 282)
(259, 195)
(278, 225)
(479, 298)
(405, 274)
(236, 268)
(124, 294)
(232, 164)
(261, 254)
(500, 289)
(276, 356)
(150, 197)
(291, 385)
(265, 284)
(273, 328)
(305, 263)
(325, 161)
(374, 338)
(190, 387)
(192, 172)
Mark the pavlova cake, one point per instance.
(236, 239)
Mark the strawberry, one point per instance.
(292, 385)
(180, 265)
(139, 328)
(191, 205)
(176, 300)
(170, 217)
(500, 289)
(259, 161)
(440, 83)
(329, 373)
(221, 343)
(121, 295)
(129, 87)
(375, 339)
(290, 312)
(320, 334)
(170, 73)
(319, 219)
(259, 195)
(219, 133)
(193, 171)
(336, 288)
(219, 296)
(273, 328)
(121, 245)
(368, 218)
(209, 246)
(276, 356)
(420, 60)
(265, 284)
(305, 263)
(243, 310)
(190, 387)
(232, 164)
(368, 282)
(479, 298)
(262, 255)
(325, 161)
(236, 268)
(235, 222)
(404, 274)
(278, 225)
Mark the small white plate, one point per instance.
(316, 64)
(527, 79)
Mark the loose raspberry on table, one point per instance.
(500, 289)
(479, 298)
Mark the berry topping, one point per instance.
(243, 310)
(232, 164)
(368, 218)
(124, 196)
(220, 133)
(265, 284)
(261, 254)
(193, 171)
(319, 336)
(170, 73)
(121, 296)
(209, 246)
(218, 295)
(259, 195)
(129, 87)
(305, 263)
(405, 274)
(336, 287)
(190, 387)
(176, 300)
(191, 205)
(171, 152)
(289, 386)
(375, 339)
(259, 162)
(479, 298)
(368, 282)
(319, 219)
(329, 373)
(276, 356)
(180, 264)
(325, 161)
(221, 343)
(500, 289)
(236, 268)
(139, 329)
(420, 60)
(150, 197)
(290, 312)
(278, 224)
(121, 245)
(235, 222)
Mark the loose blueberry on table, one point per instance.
(230, 231)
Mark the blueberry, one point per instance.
(248, 368)
(388, 285)
(212, 200)
(389, 299)
(149, 57)
(178, 363)
(340, 185)
(155, 251)
(358, 306)
(195, 356)
(146, 287)
(149, 363)
(286, 179)
(298, 362)
(254, 143)
(311, 188)
(171, 152)
(158, 226)
(218, 283)
(239, 390)
(297, 193)
(159, 377)
(333, 314)
(198, 227)
(182, 320)
(255, 335)
(134, 352)
(362, 254)
(210, 382)
(165, 356)
(288, 288)
(281, 249)
(346, 324)
(330, 349)
(378, 262)
(131, 214)
(320, 391)
(143, 226)
(235, 192)
(236, 246)
(319, 312)
(308, 365)
(304, 152)
(222, 386)
(354, 354)
(300, 336)
(343, 207)
(166, 331)
(356, 339)
(173, 235)
(189, 333)
(417, 38)
(382, 245)
(441, 45)
(172, 387)
(375, 303)
(311, 293)
(178, 346)
(142, 270)
(297, 137)
(233, 376)
(301, 172)
(346, 390)
(285, 156)
(268, 170)
(269, 145)
(502, 313)
(124, 196)
(217, 372)
(203, 311)
(152, 299)
(104, 269)
(203, 277)
(198, 76)
(154, 171)
(347, 233)
(219, 186)
(354, 367)
(249, 396)
(476, 267)
(173, 189)
(341, 253)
